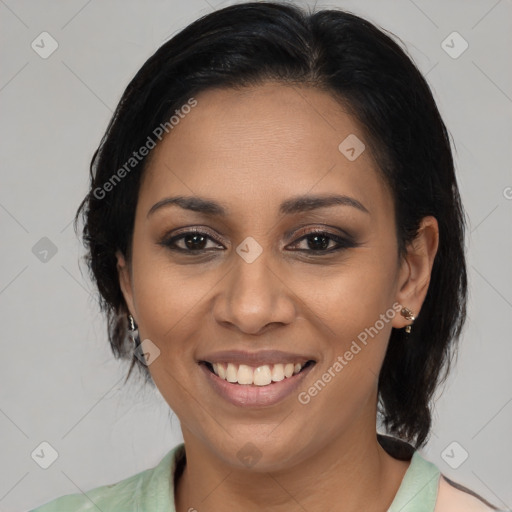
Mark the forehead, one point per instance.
(267, 143)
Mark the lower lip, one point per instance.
(250, 395)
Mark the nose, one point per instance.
(253, 297)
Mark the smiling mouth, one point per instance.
(263, 375)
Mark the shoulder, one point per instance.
(121, 495)
(425, 488)
(453, 497)
(147, 488)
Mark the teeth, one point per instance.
(231, 373)
(278, 372)
(221, 370)
(260, 376)
(288, 370)
(245, 374)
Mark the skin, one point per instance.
(250, 150)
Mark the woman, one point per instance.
(274, 222)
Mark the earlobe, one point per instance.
(125, 281)
(417, 268)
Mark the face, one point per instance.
(265, 282)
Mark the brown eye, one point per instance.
(192, 241)
(195, 241)
(323, 242)
(316, 242)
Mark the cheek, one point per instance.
(168, 305)
(165, 293)
(352, 296)
(346, 383)
(353, 307)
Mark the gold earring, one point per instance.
(408, 315)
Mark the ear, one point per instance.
(416, 268)
(125, 282)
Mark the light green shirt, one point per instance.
(152, 490)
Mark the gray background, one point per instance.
(60, 383)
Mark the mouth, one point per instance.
(255, 380)
(263, 375)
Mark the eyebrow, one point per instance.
(290, 206)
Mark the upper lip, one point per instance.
(255, 358)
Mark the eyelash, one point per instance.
(343, 243)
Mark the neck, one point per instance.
(351, 473)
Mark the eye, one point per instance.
(323, 241)
(192, 241)
(315, 241)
